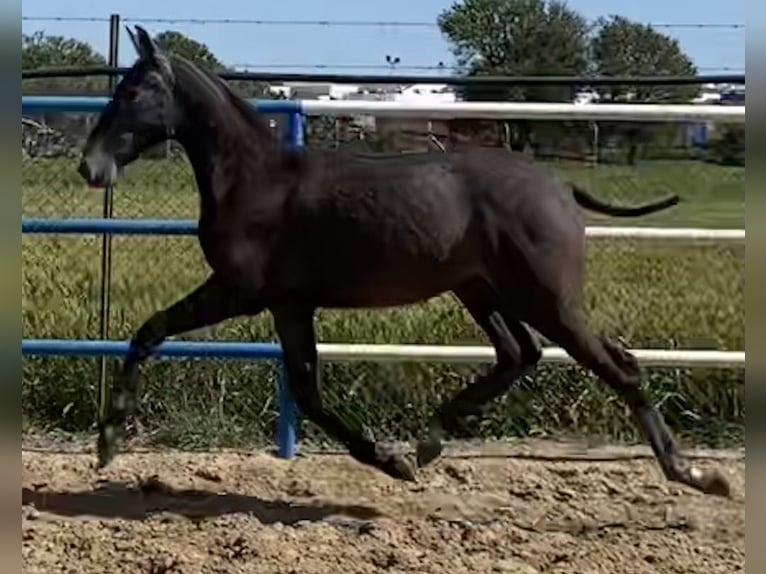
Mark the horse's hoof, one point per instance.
(107, 443)
(396, 467)
(711, 482)
(427, 451)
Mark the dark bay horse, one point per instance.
(292, 231)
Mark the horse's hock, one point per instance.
(229, 512)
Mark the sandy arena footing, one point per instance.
(190, 513)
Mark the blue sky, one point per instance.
(261, 45)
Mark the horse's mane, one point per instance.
(206, 81)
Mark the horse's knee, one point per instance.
(624, 360)
(140, 348)
(531, 356)
(304, 387)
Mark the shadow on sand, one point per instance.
(138, 502)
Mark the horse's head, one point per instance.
(141, 113)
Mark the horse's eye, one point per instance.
(131, 94)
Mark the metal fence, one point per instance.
(189, 401)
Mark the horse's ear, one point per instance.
(134, 40)
(148, 48)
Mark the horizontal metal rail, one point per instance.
(506, 81)
(334, 352)
(680, 233)
(94, 104)
(477, 110)
(190, 227)
(113, 226)
(529, 111)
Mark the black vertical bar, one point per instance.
(106, 239)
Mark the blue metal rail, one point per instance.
(94, 104)
(172, 349)
(111, 226)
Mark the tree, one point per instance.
(41, 51)
(181, 45)
(518, 38)
(625, 48)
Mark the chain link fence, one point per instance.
(651, 294)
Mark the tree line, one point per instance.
(39, 50)
(538, 38)
(487, 37)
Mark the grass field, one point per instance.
(649, 294)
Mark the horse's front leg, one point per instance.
(210, 303)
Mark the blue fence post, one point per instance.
(287, 422)
(287, 431)
(295, 129)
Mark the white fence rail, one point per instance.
(530, 111)
(676, 233)
(333, 352)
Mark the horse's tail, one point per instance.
(584, 199)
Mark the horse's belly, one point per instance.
(372, 296)
(375, 285)
(379, 265)
(382, 293)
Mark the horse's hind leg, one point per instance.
(516, 352)
(619, 369)
(295, 327)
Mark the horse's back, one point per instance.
(384, 185)
(435, 194)
(404, 212)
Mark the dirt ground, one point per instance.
(173, 513)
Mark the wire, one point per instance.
(423, 67)
(62, 19)
(345, 67)
(326, 23)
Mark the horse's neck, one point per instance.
(221, 150)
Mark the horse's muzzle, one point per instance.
(100, 175)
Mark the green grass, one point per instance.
(649, 294)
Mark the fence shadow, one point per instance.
(123, 501)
